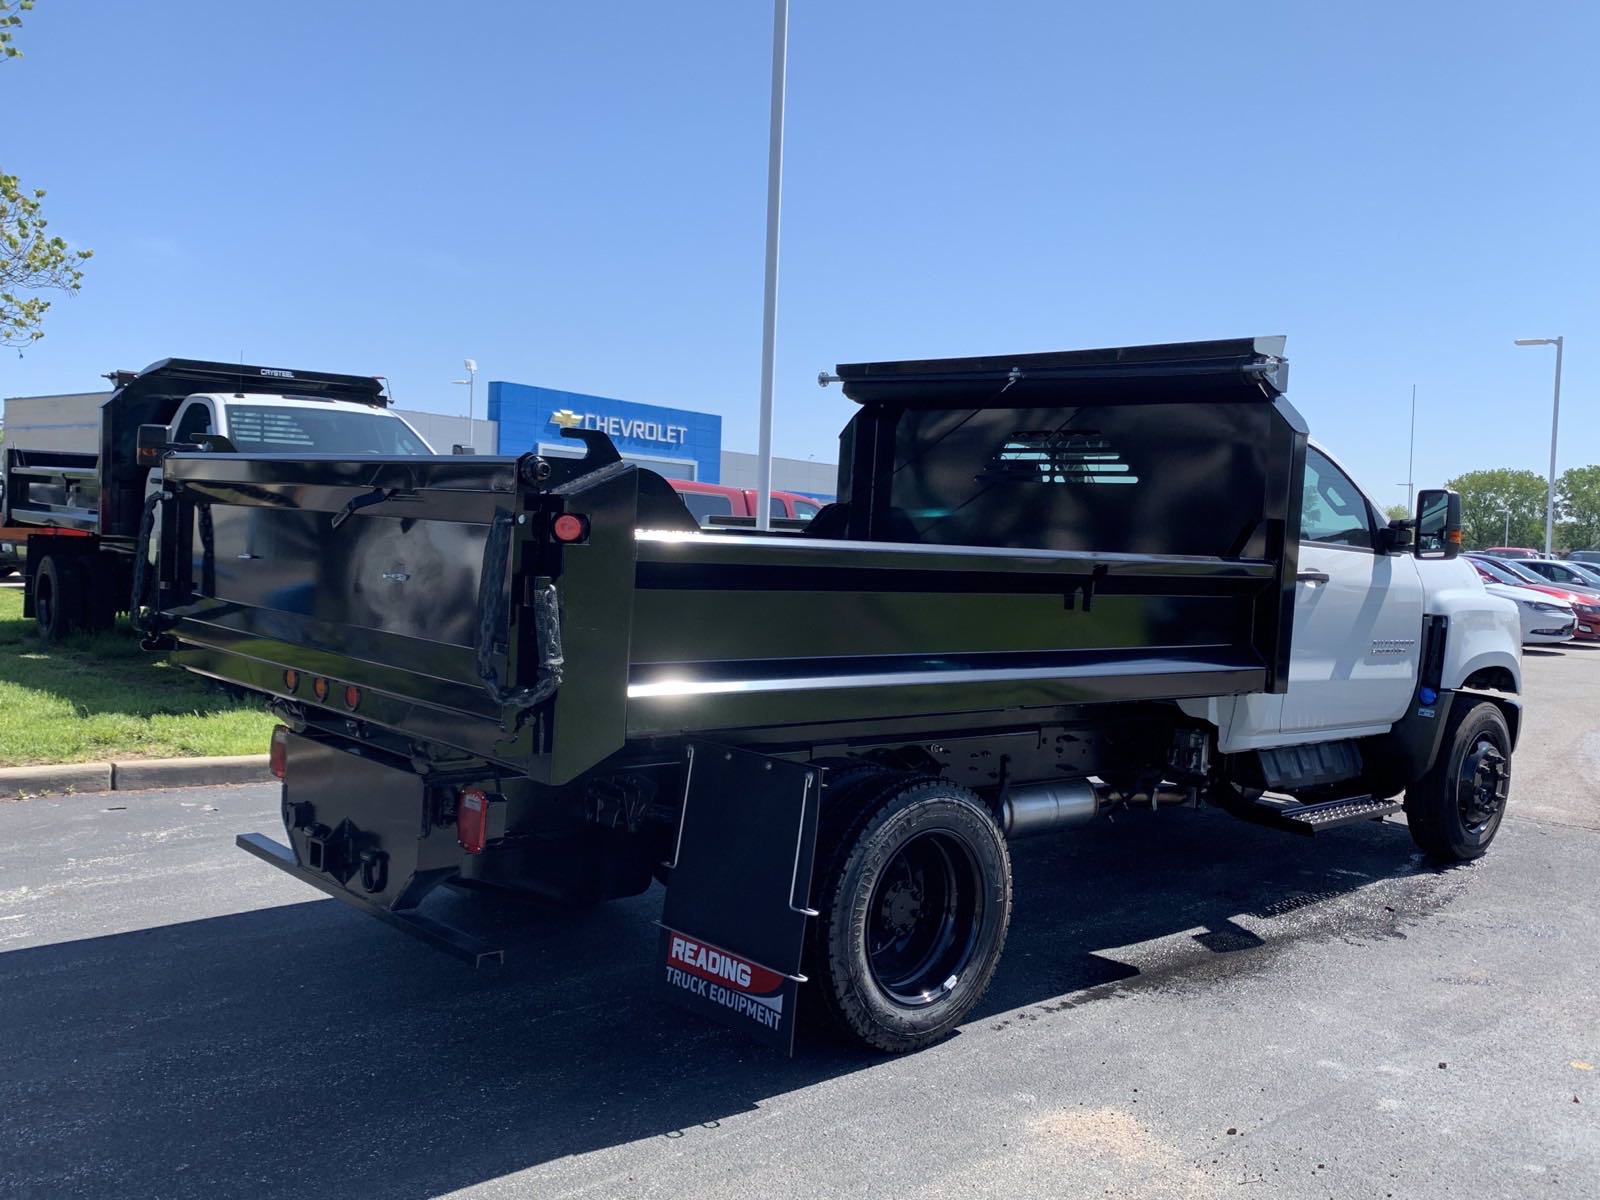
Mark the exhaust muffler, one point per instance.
(1036, 808)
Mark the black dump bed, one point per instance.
(1013, 534)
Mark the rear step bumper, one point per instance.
(1312, 819)
(440, 936)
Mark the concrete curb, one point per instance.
(17, 783)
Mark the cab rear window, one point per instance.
(314, 431)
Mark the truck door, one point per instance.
(1357, 614)
(194, 416)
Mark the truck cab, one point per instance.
(264, 423)
(1362, 605)
(272, 424)
(81, 469)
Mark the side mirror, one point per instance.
(150, 444)
(1438, 524)
(1396, 536)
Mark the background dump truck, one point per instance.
(78, 467)
(1053, 585)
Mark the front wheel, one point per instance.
(1455, 810)
(914, 896)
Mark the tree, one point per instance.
(1578, 494)
(31, 259)
(1397, 512)
(1489, 498)
(9, 20)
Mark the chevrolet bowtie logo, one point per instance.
(566, 418)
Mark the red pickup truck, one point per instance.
(707, 500)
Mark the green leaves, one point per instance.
(31, 259)
(1507, 508)
(9, 20)
(1501, 507)
(1578, 495)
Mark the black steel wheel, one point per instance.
(923, 918)
(1455, 810)
(57, 598)
(914, 895)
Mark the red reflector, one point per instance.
(319, 688)
(291, 679)
(472, 819)
(569, 527)
(278, 754)
(352, 696)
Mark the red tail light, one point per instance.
(472, 819)
(570, 527)
(352, 696)
(278, 755)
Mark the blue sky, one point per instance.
(573, 194)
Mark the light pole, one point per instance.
(1411, 457)
(769, 302)
(470, 382)
(1555, 425)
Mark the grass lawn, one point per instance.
(99, 696)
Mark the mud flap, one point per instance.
(734, 922)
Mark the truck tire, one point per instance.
(914, 897)
(57, 597)
(1455, 810)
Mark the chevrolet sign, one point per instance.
(623, 427)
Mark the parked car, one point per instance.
(1512, 552)
(1585, 593)
(708, 500)
(1584, 599)
(1587, 570)
(1584, 556)
(1548, 613)
(1578, 576)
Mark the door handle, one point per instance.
(1312, 577)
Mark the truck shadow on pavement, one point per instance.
(307, 1049)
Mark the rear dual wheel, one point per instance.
(75, 593)
(914, 896)
(58, 603)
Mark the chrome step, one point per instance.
(1308, 820)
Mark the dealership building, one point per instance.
(676, 442)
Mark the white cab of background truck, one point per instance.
(267, 424)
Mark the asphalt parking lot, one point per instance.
(1188, 1007)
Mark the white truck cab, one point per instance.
(255, 423)
(1362, 602)
(266, 424)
